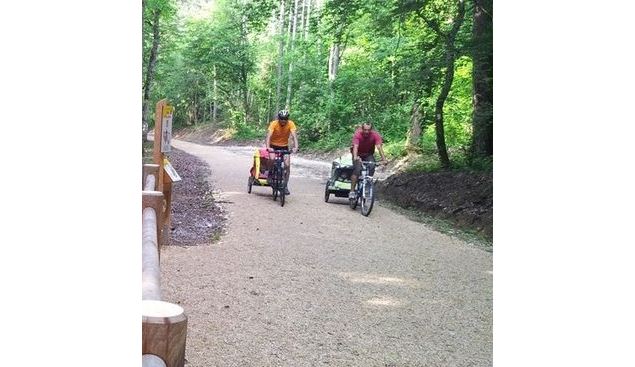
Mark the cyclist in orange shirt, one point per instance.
(278, 139)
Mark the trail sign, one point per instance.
(166, 128)
(174, 176)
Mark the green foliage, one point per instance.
(147, 149)
(458, 107)
(429, 162)
(425, 163)
(391, 56)
(395, 149)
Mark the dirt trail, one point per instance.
(314, 283)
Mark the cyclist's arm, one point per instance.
(268, 140)
(355, 147)
(381, 151)
(295, 140)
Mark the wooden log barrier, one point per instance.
(164, 331)
(150, 360)
(150, 183)
(150, 269)
(155, 200)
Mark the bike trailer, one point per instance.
(258, 172)
(339, 183)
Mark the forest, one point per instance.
(420, 70)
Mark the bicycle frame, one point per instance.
(364, 189)
(278, 176)
(364, 178)
(278, 172)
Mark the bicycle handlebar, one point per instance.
(368, 163)
(278, 151)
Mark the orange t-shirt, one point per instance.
(280, 134)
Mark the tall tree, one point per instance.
(482, 78)
(153, 15)
(246, 61)
(419, 112)
(385, 61)
(215, 96)
(291, 48)
(339, 14)
(307, 22)
(303, 7)
(449, 39)
(280, 54)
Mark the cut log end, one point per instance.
(161, 312)
(150, 360)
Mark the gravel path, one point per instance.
(316, 284)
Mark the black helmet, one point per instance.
(283, 115)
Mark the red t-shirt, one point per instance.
(366, 145)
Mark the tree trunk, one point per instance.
(195, 105)
(243, 68)
(290, 23)
(307, 23)
(280, 55)
(414, 133)
(482, 80)
(292, 45)
(335, 53)
(419, 114)
(303, 7)
(334, 61)
(244, 93)
(438, 124)
(268, 109)
(215, 97)
(450, 56)
(147, 85)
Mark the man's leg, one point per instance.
(270, 164)
(287, 163)
(371, 158)
(353, 183)
(357, 167)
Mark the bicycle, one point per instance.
(365, 192)
(277, 177)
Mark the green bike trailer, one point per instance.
(339, 184)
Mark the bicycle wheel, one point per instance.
(283, 186)
(250, 183)
(368, 198)
(274, 187)
(282, 194)
(275, 182)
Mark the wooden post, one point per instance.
(164, 331)
(164, 183)
(157, 156)
(167, 193)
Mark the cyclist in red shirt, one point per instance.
(365, 140)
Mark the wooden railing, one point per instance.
(164, 324)
(151, 230)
